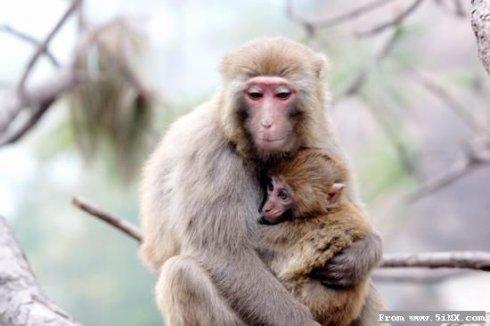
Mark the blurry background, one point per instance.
(410, 105)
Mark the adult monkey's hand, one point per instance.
(351, 265)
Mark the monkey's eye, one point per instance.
(255, 93)
(270, 186)
(283, 194)
(283, 93)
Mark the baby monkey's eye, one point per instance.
(283, 194)
(270, 186)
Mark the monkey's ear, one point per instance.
(225, 66)
(334, 194)
(321, 66)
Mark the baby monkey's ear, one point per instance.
(334, 194)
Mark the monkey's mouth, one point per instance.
(271, 140)
(269, 144)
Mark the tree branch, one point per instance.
(32, 40)
(120, 224)
(42, 47)
(40, 99)
(477, 155)
(22, 302)
(479, 260)
(469, 259)
(409, 276)
(459, 110)
(361, 77)
(394, 22)
(403, 153)
(480, 22)
(335, 20)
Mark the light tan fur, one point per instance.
(314, 235)
(200, 193)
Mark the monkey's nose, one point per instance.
(266, 124)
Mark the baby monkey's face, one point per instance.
(283, 203)
(279, 202)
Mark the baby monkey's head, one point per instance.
(310, 184)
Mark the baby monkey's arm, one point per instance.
(314, 251)
(353, 264)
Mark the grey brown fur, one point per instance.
(200, 194)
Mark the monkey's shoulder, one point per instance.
(199, 125)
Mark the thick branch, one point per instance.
(480, 21)
(22, 302)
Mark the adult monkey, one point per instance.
(201, 192)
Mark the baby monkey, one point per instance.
(310, 220)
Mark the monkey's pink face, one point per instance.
(279, 201)
(270, 103)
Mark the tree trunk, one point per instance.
(22, 302)
(480, 21)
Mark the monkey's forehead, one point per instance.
(271, 56)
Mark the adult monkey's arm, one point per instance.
(197, 195)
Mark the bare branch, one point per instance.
(120, 224)
(437, 90)
(402, 152)
(394, 22)
(428, 277)
(336, 20)
(466, 259)
(30, 39)
(22, 302)
(40, 99)
(459, 9)
(25, 98)
(360, 79)
(479, 260)
(41, 48)
(459, 170)
(480, 22)
(477, 155)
